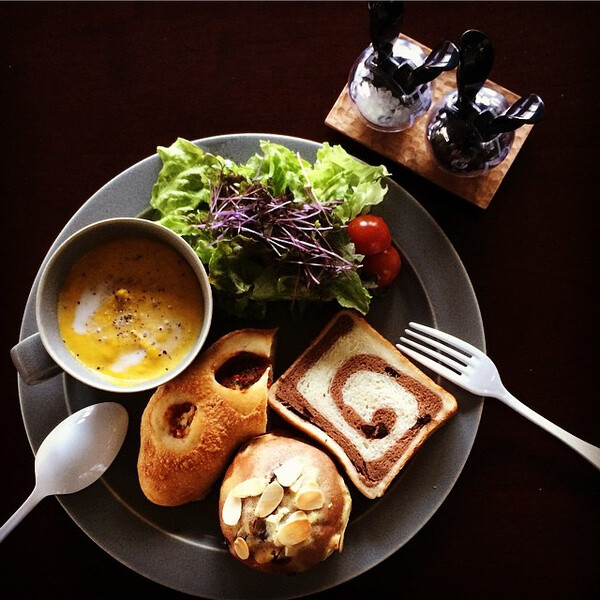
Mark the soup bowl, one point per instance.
(122, 305)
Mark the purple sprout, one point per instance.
(296, 232)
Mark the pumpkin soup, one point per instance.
(130, 309)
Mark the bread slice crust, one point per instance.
(356, 394)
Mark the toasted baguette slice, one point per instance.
(193, 424)
(354, 392)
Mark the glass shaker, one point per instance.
(377, 90)
(390, 82)
(471, 129)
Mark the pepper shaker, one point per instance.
(471, 129)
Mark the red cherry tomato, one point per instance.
(385, 264)
(370, 234)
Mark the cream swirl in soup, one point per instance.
(131, 309)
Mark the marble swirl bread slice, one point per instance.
(355, 393)
(193, 424)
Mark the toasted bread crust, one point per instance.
(193, 424)
(373, 431)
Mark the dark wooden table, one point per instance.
(88, 89)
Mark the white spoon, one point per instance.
(75, 454)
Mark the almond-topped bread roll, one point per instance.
(283, 506)
(354, 392)
(193, 424)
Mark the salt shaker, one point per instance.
(390, 82)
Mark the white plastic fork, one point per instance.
(468, 367)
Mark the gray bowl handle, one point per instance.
(32, 361)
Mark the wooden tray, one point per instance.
(409, 147)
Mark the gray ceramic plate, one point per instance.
(182, 548)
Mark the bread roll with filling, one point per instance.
(193, 424)
(283, 506)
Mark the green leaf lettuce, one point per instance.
(244, 273)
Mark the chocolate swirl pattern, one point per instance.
(355, 393)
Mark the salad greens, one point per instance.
(274, 228)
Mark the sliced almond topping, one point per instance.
(241, 548)
(297, 485)
(307, 480)
(254, 486)
(309, 499)
(232, 509)
(294, 531)
(289, 471)
(297, 514)
(269, 499)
